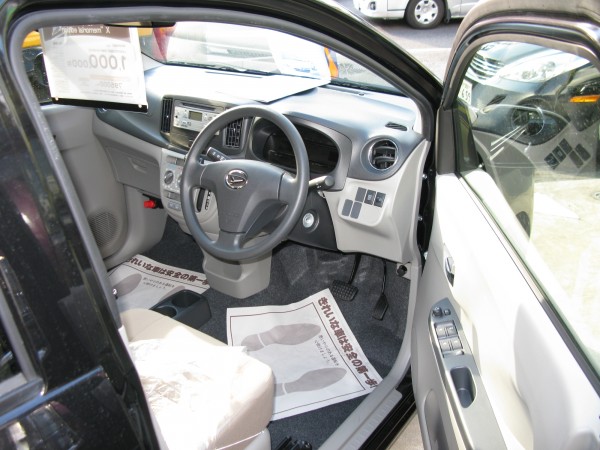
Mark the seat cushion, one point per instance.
(203, 393)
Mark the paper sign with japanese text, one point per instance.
(98, 65)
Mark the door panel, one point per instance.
(538, 395)
(102, 197)
(509, 276)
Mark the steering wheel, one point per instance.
(250, 194)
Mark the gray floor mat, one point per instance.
(298, 271)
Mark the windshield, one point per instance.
(254, 50)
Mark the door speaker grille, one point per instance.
(105, 227)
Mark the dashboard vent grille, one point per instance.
(383, 154)
(396, 126)
(233, 134)
(167, 110)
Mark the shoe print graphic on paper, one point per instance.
(293, 334)
(311, 381)
(127, 284)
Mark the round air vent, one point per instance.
(528, 118)
(383, 154)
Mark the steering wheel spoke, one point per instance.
(288, 188)
(193, 172)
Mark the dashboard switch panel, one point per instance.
(171, 168)
(366, 203)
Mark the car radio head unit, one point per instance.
(186, 119)
(193, 118)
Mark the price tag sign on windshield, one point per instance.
(95, 65)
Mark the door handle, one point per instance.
(449, 269)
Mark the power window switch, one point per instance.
(451, 330)
(440, 331)
(445, 345)
(456, 344)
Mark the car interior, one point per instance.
(252, 184)
(332, 154)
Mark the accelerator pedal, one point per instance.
(382, 304)
(289, 443)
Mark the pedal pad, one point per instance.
(343, 291)
(380, 308)
(289, 443)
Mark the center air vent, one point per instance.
(383, 154)
(233, 134)
(165, 121)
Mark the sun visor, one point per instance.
(95, 65)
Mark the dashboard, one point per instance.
(368, 144)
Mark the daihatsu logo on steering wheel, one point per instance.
(236, 179)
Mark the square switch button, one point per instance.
(355, 210)
(379, 199)
(360, 194)
(347, 208)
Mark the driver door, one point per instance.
(505, 337)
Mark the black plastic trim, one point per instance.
(322, 233)
(101, 105)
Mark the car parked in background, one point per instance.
(422, 14)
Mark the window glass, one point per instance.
(33, 60)
(229, 47)
(248, 49)
(528, 119)
(8, 362)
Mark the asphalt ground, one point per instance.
(431, 47)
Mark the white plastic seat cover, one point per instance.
(203, 394)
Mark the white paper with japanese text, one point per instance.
(142, 282)
(94, 63)
(315, 358)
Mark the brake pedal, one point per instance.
(343, 291)
(346, 291)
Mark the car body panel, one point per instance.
(58, 309)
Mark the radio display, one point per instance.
(195, 115)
